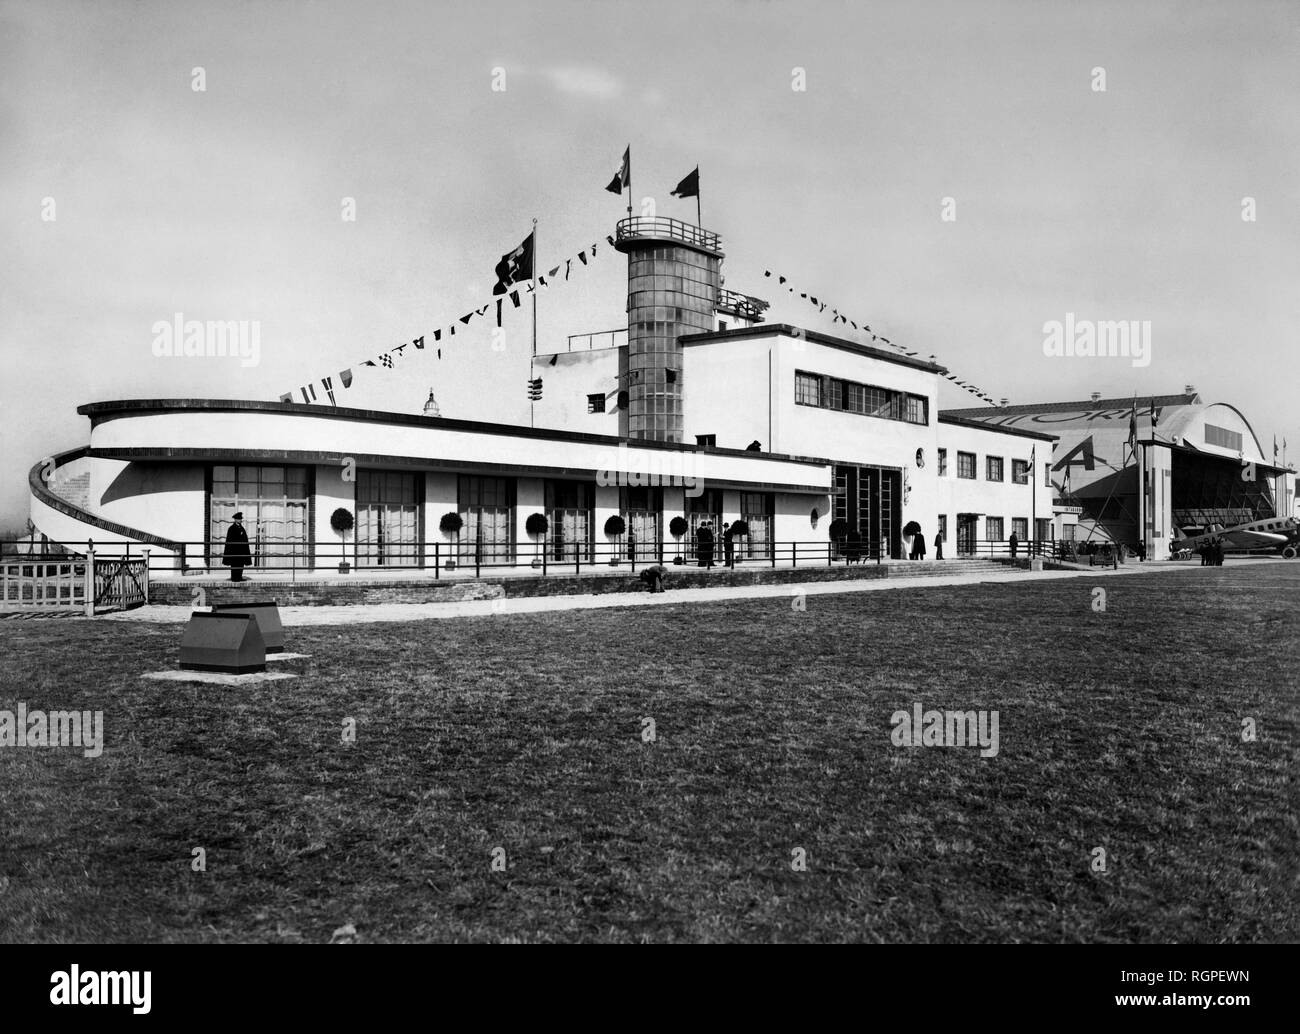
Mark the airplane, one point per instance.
(1279, 533)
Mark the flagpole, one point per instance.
(699, 219)
(1033, 506)
(536, 289)
(629, 179)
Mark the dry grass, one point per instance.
(1118, 729)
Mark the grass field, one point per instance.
(1119, 730)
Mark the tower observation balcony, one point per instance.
(637, 228)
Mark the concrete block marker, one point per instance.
(228, 643)
(219, 678)
(267, 615)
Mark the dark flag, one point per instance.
(690, 186)
(386, 360)
(514, 266)
(464, 319)
(304, 394)
(419, 343)
(287, 398)
(623, 178)
(514, 297)
(368, 362)
(554, 359)
(346, 377)
(437, 334)
(498, 312)
(328, 384)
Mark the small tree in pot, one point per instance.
(342, 521)
(615, 526)
(537, 525)
(837, 530)
(450, 525)
(738, 529)
(677, 528)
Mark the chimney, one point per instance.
(1096, 396)
(1189, 389)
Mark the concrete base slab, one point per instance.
(286, 656)
(218, 678)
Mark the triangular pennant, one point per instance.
(287, 398)
(467, 317)
(554, 359)
(567, 264)
(368, 362)
(514, 297)
(437, 335)
(554, 272)
(582, 257)
(609, 237)
(498, 312)
(419, 343)
(346, 377)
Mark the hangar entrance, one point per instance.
(1211, 490)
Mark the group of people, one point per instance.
(1212, 553)
(704, 542)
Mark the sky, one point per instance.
(227, 203)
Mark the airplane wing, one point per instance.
(1253, 539)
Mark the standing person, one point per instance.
(728, 545)
(705, 540)
(236, 555)
(938, 545)
(1015, 543)
(918, 546)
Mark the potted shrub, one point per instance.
(837, 530)
(342, 521)
(537, 525)
(677, 528)
(614, 527)
(450, 525)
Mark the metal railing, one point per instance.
(743, 305)
(663, 228)
(597, 340)
(287, 559)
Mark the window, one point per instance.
(1044, 529)
(706, 441)
(993, 528)
(596, 403)
(722, 324)
(274, 502)
(943, 463)
(1020, 472)
(1020, 527)
(1222, 437)
(1047, 475)
(807, 389)
(811, 389)
(993, 468)
(943, 527)
(966, 465)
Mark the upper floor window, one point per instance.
(1020, 472)
(812, 389)
(706, 441)
(808, 389)
(596, 403)
(943, 463)
(993, 470)
(966, 465)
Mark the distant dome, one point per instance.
(431, 407)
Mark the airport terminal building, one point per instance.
(697, 410)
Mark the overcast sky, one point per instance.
(226, 203)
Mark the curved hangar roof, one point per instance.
(1094, 434)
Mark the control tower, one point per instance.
(674, 279)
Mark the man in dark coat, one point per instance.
(1015, 544)
(704, 542)
(237, 555)
(918, 546)
(938, 545)
(728, 546)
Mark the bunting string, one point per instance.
(387, 360)
(839, 317)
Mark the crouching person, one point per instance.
(654, 576)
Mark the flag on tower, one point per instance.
(690, 186)
(623, 178)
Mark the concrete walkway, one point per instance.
(352, 615)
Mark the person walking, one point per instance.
(938, 545)
(236, 555)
